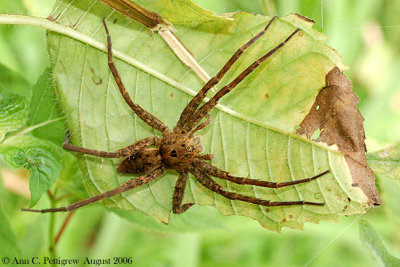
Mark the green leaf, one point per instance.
(44, 109)
(253, 129)
(386, 162)
(40, 157)
(13, 113)
(374, 242)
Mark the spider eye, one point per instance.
(189, 148)
(173, 154)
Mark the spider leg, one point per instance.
(135, 182)
(203, 110)
(207, 182)
(201, 126)
(216, 172)
(206, 157)
(196, 100)
(121, 153)
(179, 192)
(147, 117)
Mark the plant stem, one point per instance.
(52, 248)
(53, 241)
(268, 7)
(64, 225)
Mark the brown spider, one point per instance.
(179, 149)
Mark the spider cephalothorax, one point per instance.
(179, 149)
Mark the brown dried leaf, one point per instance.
(335, 115)
(132, 10)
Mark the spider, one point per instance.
(179, 149)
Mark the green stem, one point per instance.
(268, 7)
(52, 26)
(52, 248)
(31, 128)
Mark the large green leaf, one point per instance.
(253, 128)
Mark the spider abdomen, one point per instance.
(142, 162)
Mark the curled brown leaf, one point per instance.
(335, 115)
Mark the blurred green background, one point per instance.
(365, 32)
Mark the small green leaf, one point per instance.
(13, 113)
(44, 108)
(386, 162)
(42, 158)
(374, 242)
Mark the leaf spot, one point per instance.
(96, 79)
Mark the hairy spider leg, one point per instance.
(206, 157)
(145, 116)
(201, 126)
(216, 172)
(135, 182)
(196, 100)
(207, 182)
(203, 110)
(121, 153)
(179, 192)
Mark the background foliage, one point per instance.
(364, 32)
